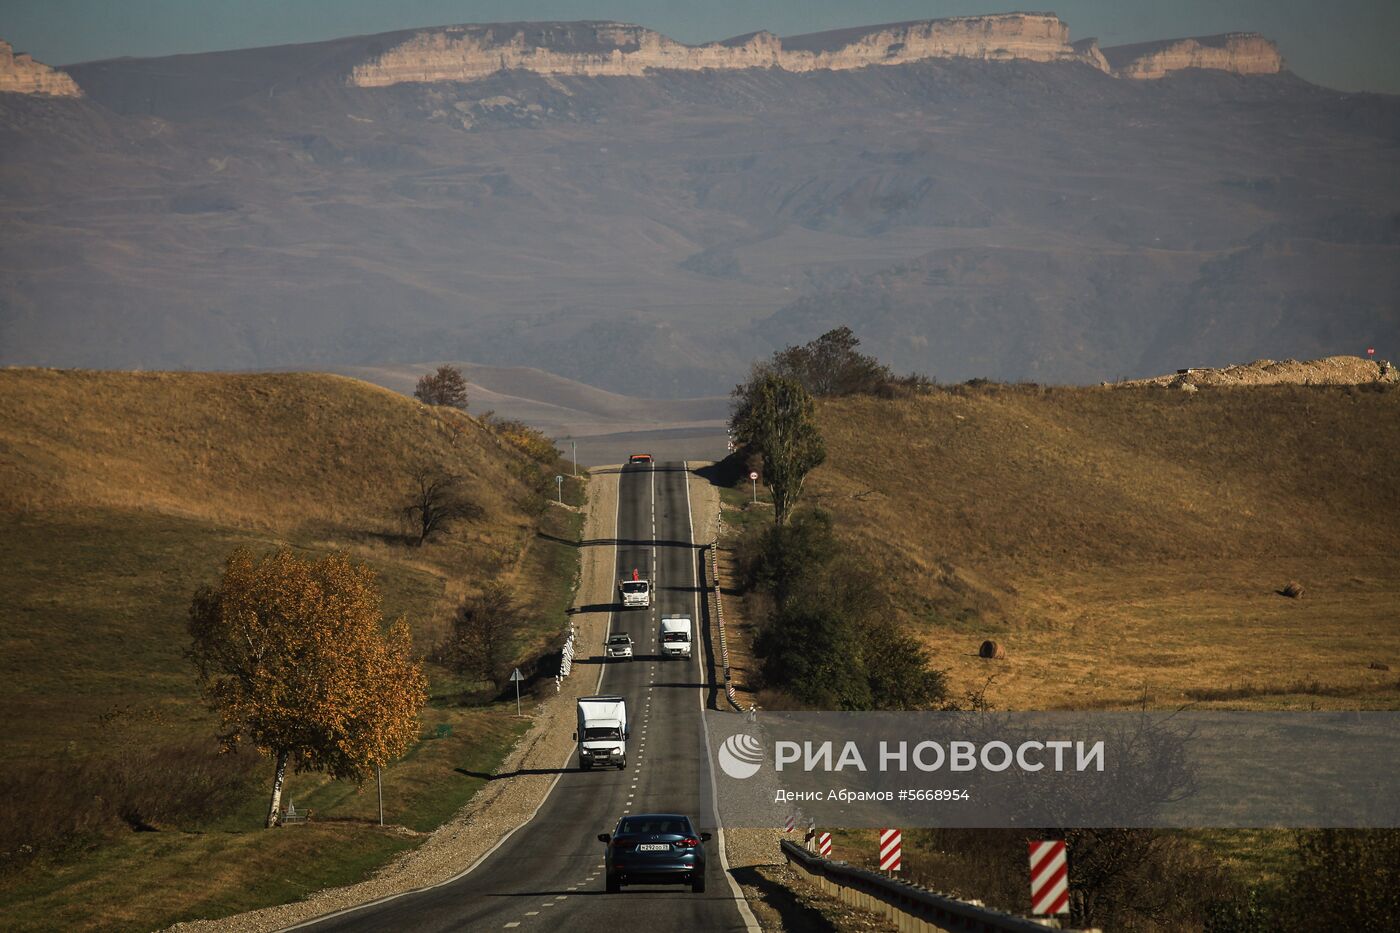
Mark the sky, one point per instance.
(1344, 44)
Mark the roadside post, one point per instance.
(1049, 877)
(753, 478)
(516, 679)
(559, 484)
(891, 849)
(824, 845)
(574, 445)
(379, 781)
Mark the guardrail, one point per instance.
(723, 639)
(566, 660)
(912, 909)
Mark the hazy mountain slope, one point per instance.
(556, 405)
(651, 235)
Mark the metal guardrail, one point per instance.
(911, 907)
(723, 638)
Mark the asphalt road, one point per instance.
(549, 874)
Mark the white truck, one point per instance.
(602, 732)
(635, 592)
(675, 637)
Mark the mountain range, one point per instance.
(981, 196)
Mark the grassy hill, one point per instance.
(120, 493)
(1129, 542)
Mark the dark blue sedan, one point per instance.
(655, 848)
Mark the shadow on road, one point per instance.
(593, 607)
(522, 772)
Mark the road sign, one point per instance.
(559, 482)
(824, 845)
(516, 678)
(753, 477)
(1370, 351)
(891, 847)
(1049, 877)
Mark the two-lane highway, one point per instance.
(549, 874)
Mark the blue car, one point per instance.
(655, 848)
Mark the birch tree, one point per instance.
(293, 654)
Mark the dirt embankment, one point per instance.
(1331, 371)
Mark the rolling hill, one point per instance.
(120, 494)
(1129, 543)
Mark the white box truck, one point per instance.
(602, 732)
(675, 637)
(635, 591)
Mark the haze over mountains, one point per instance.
(975, 197)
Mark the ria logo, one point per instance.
(740, 756)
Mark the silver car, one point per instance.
(620, 646)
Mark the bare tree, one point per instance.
(482, 629)
(436, 503)
(447, 387)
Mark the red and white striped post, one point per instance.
(824, 845)
(891, 849)
(1049, 877)
(791, 823)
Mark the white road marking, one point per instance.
(513, 923)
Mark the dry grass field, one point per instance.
(120, 494)
(1127, 544)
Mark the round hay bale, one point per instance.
(1294, 590)
(991, 650)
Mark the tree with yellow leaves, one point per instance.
(293, 654)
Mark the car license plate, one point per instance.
(653, 847)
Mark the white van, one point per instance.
(675, 637)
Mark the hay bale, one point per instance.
(992, 651)
(1294, 590)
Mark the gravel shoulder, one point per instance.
(502, 805)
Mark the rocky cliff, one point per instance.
(1246, 53)
(20, 74)
(466, 53)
